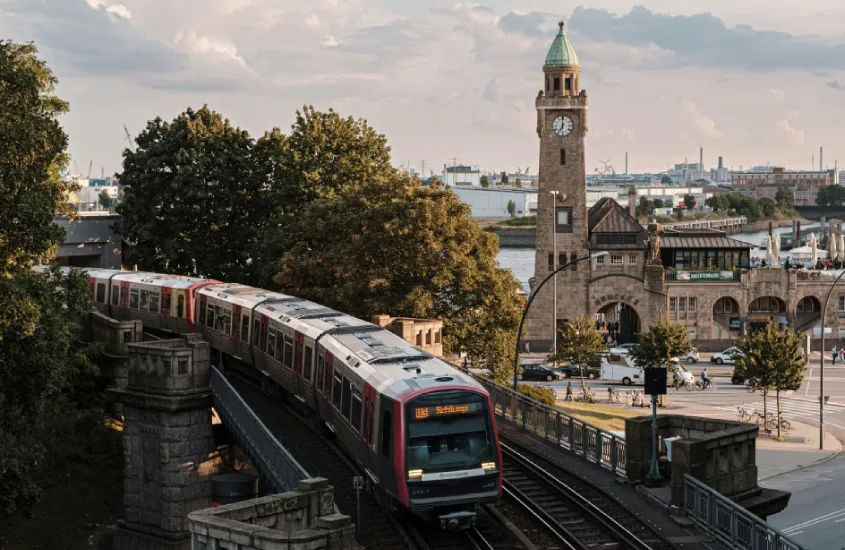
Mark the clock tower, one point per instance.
(562, 229)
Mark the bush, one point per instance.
(543, 395)
(525, 221)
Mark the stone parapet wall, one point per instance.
(115, 335)
(295, 520)
(170, 366)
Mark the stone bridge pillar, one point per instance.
(168, 445)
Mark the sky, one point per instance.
(754, 81)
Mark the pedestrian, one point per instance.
(835, 353)
(569, 391)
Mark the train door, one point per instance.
(367, 430)
(328, 384)
(123, 310)
(167, 321)
(298, 345)
(202, 306)
(261, 360)
(92, 286)
(236, 332)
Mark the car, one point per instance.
(727, 357)
(538, 372)
(689, 359)
(572, 371)
(624, 349)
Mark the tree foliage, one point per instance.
(512, 208)
(580, 342)
(396, 247)
(772, 357)
(666, 180)
(768, 207)
(831, 195)
(518, 182)
(785, 197)
(689, 201)
(485, 181)
(194, 197)
(658, 203)
(645, 207)
(660, 343)
(504, 178)
(105, 200)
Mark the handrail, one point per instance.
(730, 523)
(281, 470)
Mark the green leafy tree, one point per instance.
(579, 342)
(39, 369)
(512, 208)
(105, 200)
(504, 178)
(534, 184)
(831, 195)
(689, 201)
(658, 203)
(772, 357)
(485, 181)
(785, 197)
(662, 342)
(645, 207)
(518, 182)
(400, 248)
(768, 207)
(719, 203)
(666, 180)
(194, 197)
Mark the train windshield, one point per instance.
(449, 430)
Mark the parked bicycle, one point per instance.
(752, 386)
(585, 397)
(550, 388)
(635, 398)
(614, 395)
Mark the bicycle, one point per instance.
(585, 397)
(613, 395)
(635, 398)
(743, 413)
(550, 388)
(752, 386)
(710, 386)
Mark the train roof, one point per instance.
(162, 280)
(242, 295)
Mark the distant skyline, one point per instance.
(756, 81)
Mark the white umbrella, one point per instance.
(831, 246)
(840, 246)
(777, 250)
(814, 244)
(769, 248)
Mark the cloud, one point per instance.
(204, 45)
(835, 85)
(705, 126)
(704, 40)
(779, 94)
(491, 91)
(117, 10)
(530, 24)
(796, 137)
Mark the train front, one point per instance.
(452, 456)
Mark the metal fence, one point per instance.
(280, 470)
(583, 439)
(730, 523)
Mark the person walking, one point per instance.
(835, 353)
(568, 391)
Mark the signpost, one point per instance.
(358, 484)
(655, 384)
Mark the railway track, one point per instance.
(489, 533)
(584, 516)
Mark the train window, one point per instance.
(209, 321)
(338, 384)
(370, 418)
(123, 295)
(165, 302)
(227, 321)
(101, 293)
(256, 331)
(288, 352)
(145, 300)
(346, 404)
(218, 318)
(115, 295)
(356, 409)
(307, 367)
(386, 433)
(154, 299)
(280, 345)
(271, 342)
(245, 328)
(202, 312)
(133, 298)
(180, 305)
(319, 381)
(328, 377)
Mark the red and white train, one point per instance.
(424, 432)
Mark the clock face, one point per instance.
(562, 125)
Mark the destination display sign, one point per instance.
(421, 413)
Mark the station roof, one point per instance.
(720, 242)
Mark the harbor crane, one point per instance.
(90, 167)
(129, 138)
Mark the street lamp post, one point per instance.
(821, 376)
(554, 282)
(534, 294)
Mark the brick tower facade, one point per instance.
(562, 228)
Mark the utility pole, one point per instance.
(554, 281)
(455, 170)
(423, 169)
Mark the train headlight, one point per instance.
(414, 474)
(487, 466)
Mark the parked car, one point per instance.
(621, 370)
(572, 371)
(727, 357)
(689, 359)
(623, 349)
(538, 372)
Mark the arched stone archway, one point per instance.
(808, 311)
(727, 320)
(620, 321)
(764, 310)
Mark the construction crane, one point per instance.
(607, 168)
(129, 138)
(90, 167)
(76, 168)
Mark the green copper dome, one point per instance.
(561, 54)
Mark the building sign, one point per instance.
(735, 323)
(617, 298)
(704, 276)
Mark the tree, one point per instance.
(397, 247)
(580, 342)
(105, 200)
(512, 208)
(785, 197)
(38, 368)
(768, 207)
(689, 201)
(831, 195)
(485, 181)
(195, 197)
(772, 357)
(719, 203)
(662, 342)
(518, 182)
(658, 203)
(534, 184)
(666, 180)
(645, 207)
(504, 178)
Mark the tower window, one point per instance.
(551, 261)
(563, 219)
(563, 157)
(557, 84)
(561, 259)
(568, 84)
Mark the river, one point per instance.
(520, 261)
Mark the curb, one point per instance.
(822, 460)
